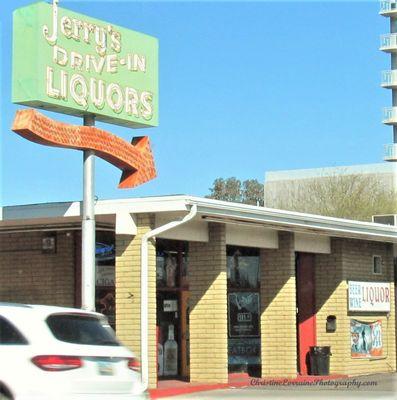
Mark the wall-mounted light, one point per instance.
(49, 243)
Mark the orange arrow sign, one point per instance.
(135, 159)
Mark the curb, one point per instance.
(175, 391)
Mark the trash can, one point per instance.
(254, 370)
(319, 360)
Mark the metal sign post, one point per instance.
(134, 159)
(61, 64)
(88, 227)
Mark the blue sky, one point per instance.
(245, 88)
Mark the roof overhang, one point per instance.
(62, 214)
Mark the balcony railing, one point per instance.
(390, 152)
(389, 79)
(390, 116)
(388, 42)
(388, 7)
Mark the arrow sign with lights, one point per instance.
(135, 159)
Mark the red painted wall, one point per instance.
(306, 318)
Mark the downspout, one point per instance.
(144, 290)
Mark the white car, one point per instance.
(63, 353)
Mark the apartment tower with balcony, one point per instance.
(388, 44)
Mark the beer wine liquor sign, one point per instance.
(70, 63)
(369, 296)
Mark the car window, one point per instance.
(9, 334)
(81, 329)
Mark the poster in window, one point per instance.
(243, 308)
(243, 271)
(160, 271)
(244, 351)
(105, 303)
(366, 339)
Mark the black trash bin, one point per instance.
(319, 360)
(254, 370)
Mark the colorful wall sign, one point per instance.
(369, 296)
(366, 339)
(70, 63)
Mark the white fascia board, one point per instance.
(46, 210)
(142, 205)
(280, 219)
(251, 236)
(272, 218)
(125, 224)
(102, 207)
(312, 243)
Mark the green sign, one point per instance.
(70, 63)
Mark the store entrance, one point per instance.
(172, 310)
(243, 294)
(306, 316)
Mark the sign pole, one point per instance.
(88, 226)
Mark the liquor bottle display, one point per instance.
(170, 270)
(160, 358)
(170, 354)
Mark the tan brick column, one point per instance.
(331, 299)
(208, 305)
(351, 259)
(278, 309)
(128, 278)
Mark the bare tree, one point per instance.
(353, 196)
(231, 189)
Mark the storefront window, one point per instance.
(105, 274)
(172, 309)
(243, 309)
(242, 267)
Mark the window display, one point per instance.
(105, 257)
(243, 307)
(242, 267)
(170, 354)
(172, 308)
(170, 271)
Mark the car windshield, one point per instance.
(81, 329)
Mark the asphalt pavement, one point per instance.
(382, 386)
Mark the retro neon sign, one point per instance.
(74, 64)
(135, 159)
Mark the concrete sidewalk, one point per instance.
(370, 386)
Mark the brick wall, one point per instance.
(352, 260)
(29, 276)
(278, 309)
(208, 303)
(358, 265)
(128, 283)
(331, 299)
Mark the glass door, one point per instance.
(172, 310)
(244, 342)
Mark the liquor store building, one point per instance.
(229, 288)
